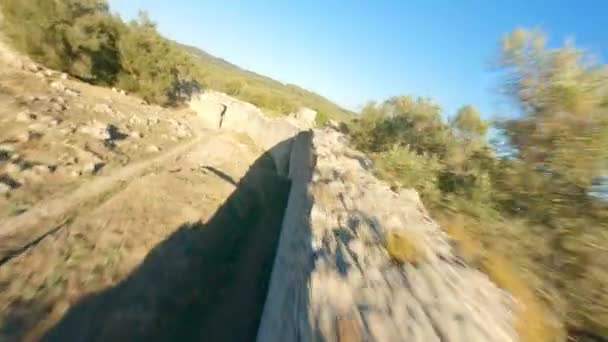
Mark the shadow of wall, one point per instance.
(206, 282)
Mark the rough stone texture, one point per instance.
(97, 130)
(332, 277)
(221, 111)
(4, 188)
(332, 267)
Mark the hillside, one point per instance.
(87, 41)
(260, 90)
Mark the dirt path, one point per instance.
(20, 231)
(141, 249)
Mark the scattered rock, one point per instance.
(103, 108)
(72, 92)
(5, 188)
(123, 93)
(58, 86)
(182, 132)
(42, 169)
(39, 74)
(114, 89)
(97, 130)
(12, 168)
(48, 73)
(64, 76)
(30, 98)
(24, 136)
(153, 121)
(25, 116)
(50, 121)
(136, 135)
(36, 127)
(33, 67)
(152, 149)
(135, 120)
(92, 167)
(58, 99)
(58, 107)
(7, 148)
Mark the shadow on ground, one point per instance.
(206, 282)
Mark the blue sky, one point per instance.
(354, 51)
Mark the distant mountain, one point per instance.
(265, 92)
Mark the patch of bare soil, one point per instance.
(123, 221)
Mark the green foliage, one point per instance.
(78, 37)
(262, 91)
(533, 204)
(404, 167)
(413, 146)
(561, 146)
(321, 119)
(468, 123)
(85, 40)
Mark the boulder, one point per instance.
(152, 149)
(306, 116)
(58, 86)
(25, 116)
(97, 130)
(12, 168)
(135, 120)
(72, 92)
(4, 188)
(33, 67)
(42, 169)
(136, 135)
(92, 168)
(24, 137)
(103, 108)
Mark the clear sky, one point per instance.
(352, 51)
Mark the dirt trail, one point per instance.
(19, 231)
(138, 263)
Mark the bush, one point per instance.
(402, 167)
(83, 39)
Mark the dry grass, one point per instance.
(404, 247)
(533, 322)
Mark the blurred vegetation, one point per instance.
(83, 38)
(534, 203)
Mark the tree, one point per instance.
(560, 144)
(468, 122)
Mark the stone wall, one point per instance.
(333, 279)
(220, 111)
